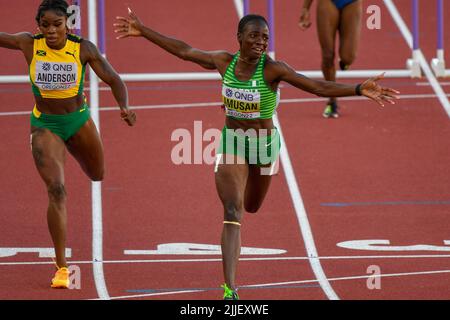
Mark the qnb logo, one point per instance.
(46, 66)
(229, 93)
(74, 277)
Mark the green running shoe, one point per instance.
(331, 111)
(343, 66)
(229, 294)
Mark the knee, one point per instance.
(252, 208)
(328, 58)
(57, 192)
(97, 175)
(348, 58)
(232, 212)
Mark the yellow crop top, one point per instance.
(57, 74)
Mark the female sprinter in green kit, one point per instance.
(249, 92)
(60, 119)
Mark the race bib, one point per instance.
(240, 103)
(55, 75)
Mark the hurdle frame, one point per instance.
(207, 76)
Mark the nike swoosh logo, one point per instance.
(81, 110)
(268, 144)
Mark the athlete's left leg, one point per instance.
(87, 148)
(349, 32)
(258, 183)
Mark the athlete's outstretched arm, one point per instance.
(133, 27)
(15, 41)
(369, 88)
(106, 72)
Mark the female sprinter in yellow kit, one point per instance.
(60, 119)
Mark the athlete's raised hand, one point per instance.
(128, 27)
(371, 89)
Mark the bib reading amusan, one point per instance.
(252, 99)
(57, 74)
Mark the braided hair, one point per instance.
(58, 6)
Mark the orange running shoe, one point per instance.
(61, 279)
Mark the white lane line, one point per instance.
(302, 217)
(155, 294)
(427, 84)
(287, 283)
(97, 220)
(215, 104)
(423, 62)
(401, 274)
(208, 260)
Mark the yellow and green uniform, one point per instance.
(249, 100)
(58, 74)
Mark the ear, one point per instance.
(239, 37)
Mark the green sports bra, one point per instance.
(252, 99)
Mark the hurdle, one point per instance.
(438, 63)
(412, 69)
(413, 63)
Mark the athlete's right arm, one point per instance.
(16, 41)
(133, 27)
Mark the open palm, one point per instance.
(371, 89)
(128, 27)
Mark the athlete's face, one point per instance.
(53, 26)
(254, 40)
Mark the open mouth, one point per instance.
(258, 50)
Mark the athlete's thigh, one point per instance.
(49, 154)
(258, 184)
(231, 179)
(327, 24)
(87, 148)
(350, 29)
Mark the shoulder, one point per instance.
(88, 50)
(221, 60)
(88, 46)
(222, 56)
(25, 37)
(279, 67)
(75, 38)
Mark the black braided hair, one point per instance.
(248, 19)
(58, 6)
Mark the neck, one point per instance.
(247, 61)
